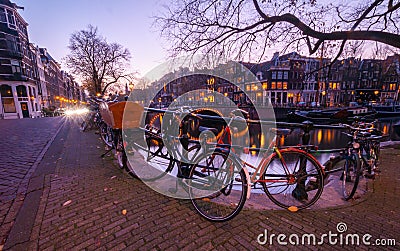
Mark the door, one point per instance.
(24, 108)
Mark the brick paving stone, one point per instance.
(154, 222)
(20, 152)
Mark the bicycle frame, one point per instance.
(261, 167)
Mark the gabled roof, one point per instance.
(7, 3)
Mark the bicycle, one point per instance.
(364, 155)
(219, 181)
(92, 119)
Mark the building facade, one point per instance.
(30, 79)
(18, 70)
(292, 80)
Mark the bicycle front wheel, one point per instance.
(293, 180)
(106, 134)
(217, 187)
(351, 176)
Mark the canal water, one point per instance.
(327, 139)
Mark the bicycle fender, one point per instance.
(246, 172)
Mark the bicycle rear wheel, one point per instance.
(293, 181)
(217, 186)
(351, 176)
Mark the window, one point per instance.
(7, 99)
(11, 20)
(3, 17)
(273, 85)
(285, 85)
(265, 85)
(279, 86)
(21, 91)
(279, 75)
(259, 75)
(285, 75)
(16, 68)
(273, 75)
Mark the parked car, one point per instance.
(59, 111)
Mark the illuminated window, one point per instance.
(273, 85)
(248, 87)
(7, 99)
(265, 86)
(279, 86)
(285, 85)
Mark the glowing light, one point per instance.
(319, 136)
(71, 112)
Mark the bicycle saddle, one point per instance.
(364, 134)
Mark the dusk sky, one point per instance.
(126, 22)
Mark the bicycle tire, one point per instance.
(83, 126)
(160, 160)
(350, 176)
(377, 151)
(292, 188)
(105, 134)
(220, 204)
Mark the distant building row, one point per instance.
(291, 80)
(30, 79)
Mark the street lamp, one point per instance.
(131, 86)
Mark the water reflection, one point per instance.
(327, 139)
(334, 138)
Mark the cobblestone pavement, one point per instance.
(82, 205)
(21, 148)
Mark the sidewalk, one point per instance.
(81, 205)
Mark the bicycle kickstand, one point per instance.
(109, 150)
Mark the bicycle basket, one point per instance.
(133, 114)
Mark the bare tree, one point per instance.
(250, 26)
(98, 62)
